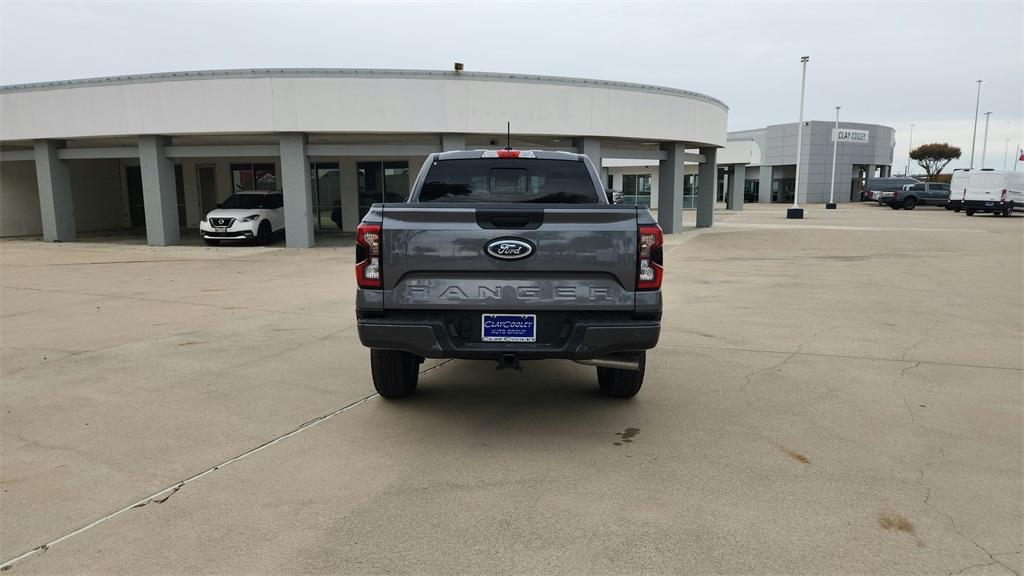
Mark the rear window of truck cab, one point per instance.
(540, 181)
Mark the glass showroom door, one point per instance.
(326, 195)
(382, 182)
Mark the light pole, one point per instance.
(796, 212)
(835, 147)
(910, 149)
(984, 142)
(974, 136)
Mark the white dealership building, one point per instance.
(157, 151)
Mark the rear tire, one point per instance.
(618, 383)
(395, 373)
(909, 203)
(969, 212)
(210, 242)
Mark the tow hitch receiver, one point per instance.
(508, 361)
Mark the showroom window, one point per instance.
(750, 190)
(636, 189)
(253, 177)
(689, 190)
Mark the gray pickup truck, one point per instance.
(508, 255)
(912, 195)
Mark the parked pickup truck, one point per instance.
(913, 195)
(508, 255)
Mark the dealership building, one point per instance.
(156, 152)
(760, 166)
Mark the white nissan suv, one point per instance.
(251, 215)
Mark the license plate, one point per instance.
(989, 203)
(220, 229)
(509, 328)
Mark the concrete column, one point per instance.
(764, 185)
(739, 178)
(592, 148)
(193, 204)
(349, 194)
(670, 188)
(871, 171)
(451, 142)
(298, 194)
(706, 183)
(159, 198)
(54, 183)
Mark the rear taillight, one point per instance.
(368, 265)
(1002, 196)
(649, 258)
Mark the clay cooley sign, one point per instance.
(847, 135)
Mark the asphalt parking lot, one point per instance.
(841, 394)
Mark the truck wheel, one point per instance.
(394, 372)
(910, 203)
(969, 211)
(618, 383)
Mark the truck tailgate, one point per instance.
(583, 257)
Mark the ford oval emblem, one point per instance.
(509, 248)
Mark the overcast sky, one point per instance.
(889, 63)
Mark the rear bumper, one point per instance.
(436, 339)
(987, 205)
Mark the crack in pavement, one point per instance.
(952, 522)
(921, 340)
(163, 495)
(799, 350)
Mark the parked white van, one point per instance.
(957, 188)
(995, 191)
